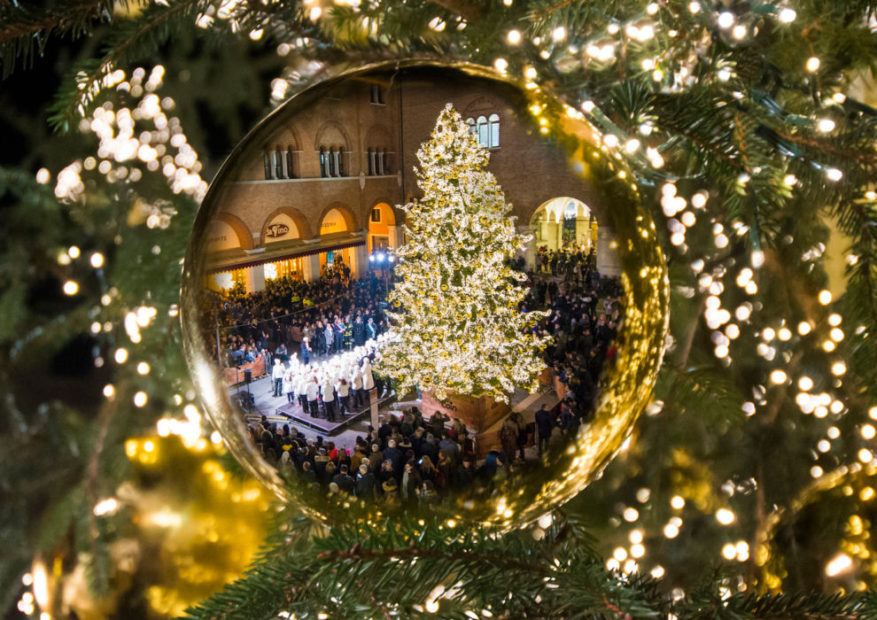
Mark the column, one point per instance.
(395, 235)
(583, 231)
(529, 252)
(256, 278)
(310, 266)
(607, 254)
(358, 261)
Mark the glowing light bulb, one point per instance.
(787, 15)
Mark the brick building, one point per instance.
(320, 178)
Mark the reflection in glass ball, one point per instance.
(293, 283)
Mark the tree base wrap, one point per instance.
(478, 413)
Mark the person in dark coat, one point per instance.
(366, 484)
(358, 331)
(344, 481)
(543, 427)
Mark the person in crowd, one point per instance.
(277, 377)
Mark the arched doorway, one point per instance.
(381, 228)
(564, 223)
(227, 235)
(335, 222)
(282, 228)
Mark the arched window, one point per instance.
(483, 131)
(370, 162)
(382, 161)
(324, 162)
(493, 121)
(278, 163)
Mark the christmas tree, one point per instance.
(748, 128)
(460, 328)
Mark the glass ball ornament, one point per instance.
(316, 189)
(822, 541)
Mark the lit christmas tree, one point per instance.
(460, 328)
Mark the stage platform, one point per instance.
(294, 413)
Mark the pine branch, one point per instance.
(133, 38)
(26, 30)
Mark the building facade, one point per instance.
(320, 182)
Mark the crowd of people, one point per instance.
(410, 460)
(569, 263)
(586, 310)
(297, 318)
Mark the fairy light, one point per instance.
(838, 369)
(725, 516)
(671, 530)
(868, 431)
(805, 383)
(812, 64)
(825, 125)
(514, 37)
(143, 368)
(839, 565)
(96, 260)
(106, 507)
(836, 334)
(70, 288)
(804, 328)
(726, 19)
(729, 551)
(834, 174)
(140, 398)
(787, 15)
(865, 455)
(824, 297)
(121, 355)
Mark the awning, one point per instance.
(273, 257)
